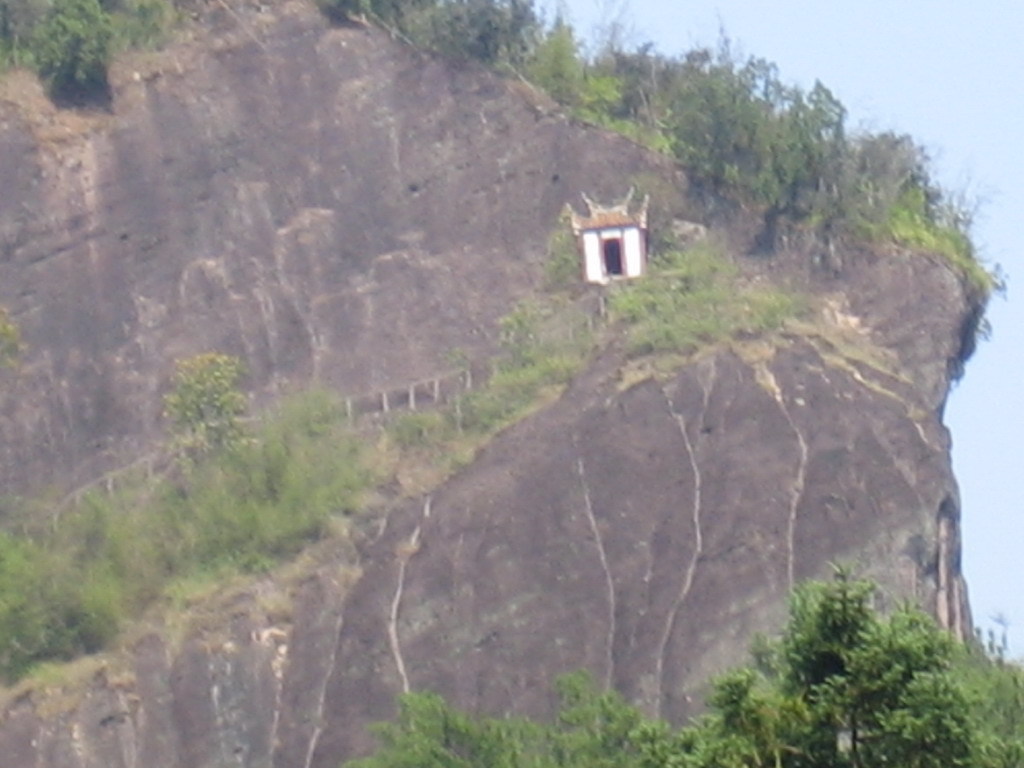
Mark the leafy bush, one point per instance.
(562, 268)
(143, 23)
(495, 32)
(420, 428)
(70, 42)
(556, 64)
(205, 402)
(516, 386)
(72, 47)
(499, 33)
(269, 495)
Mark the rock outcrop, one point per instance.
(333, 207)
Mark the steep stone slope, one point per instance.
(325, 204)
(334, 207)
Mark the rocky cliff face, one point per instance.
(325, 204)
(333, 207)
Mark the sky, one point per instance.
(951, 74)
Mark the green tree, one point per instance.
(878, 691)
(556, 65)
(843, 688)
(72, 47)
(205, 403)
(17, 19)
(495, 32)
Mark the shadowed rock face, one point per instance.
(333, 207)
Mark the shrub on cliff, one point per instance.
(556, 65)
(496, 32)
(72, 47)
(10, 339)
(205, 403)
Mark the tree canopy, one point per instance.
(844, 687)
(72, 46)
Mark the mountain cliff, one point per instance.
(335, 208)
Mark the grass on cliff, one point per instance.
(66, 590)
(544, 343)
(695, 297)
(907, 222)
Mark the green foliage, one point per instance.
(70, 42)
(886, 684)
(24, 623)
(140, 24)
(498, 33)
(745, 135)
(205, 403)
(845, 688)
(17, 20)
(516, 386)
(495, 32)
(542, 348)
(10, 339)
(240, 510)
(267, 496)
(73, 45)
(911, 222)
(562, 268)
(995, 690)
(430, 734)
(692, 298)
(556, 64)
(593, 731)
(420, 428)
(48, 610)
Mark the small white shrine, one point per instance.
(612, 241)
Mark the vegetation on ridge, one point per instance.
(843, 688)
(740, 131)
(71, 42)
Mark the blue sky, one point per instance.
(950, 73)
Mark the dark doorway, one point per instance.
(613, 257)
